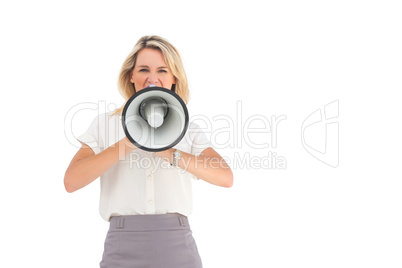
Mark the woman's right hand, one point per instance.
(86, 166)
(128, 145)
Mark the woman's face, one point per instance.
(150, 68)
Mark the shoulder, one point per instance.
(103, 120)
(199, 132)
(192, 125)
(199, 127)
(195, 129)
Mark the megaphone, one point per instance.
(155, 119)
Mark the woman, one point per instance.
(146, 196)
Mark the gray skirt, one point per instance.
(145, 241)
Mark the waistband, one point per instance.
(140, 223)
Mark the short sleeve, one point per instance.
(91, 136)
(200, 141)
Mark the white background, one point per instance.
(275, 58)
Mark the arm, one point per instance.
(86, 166)
(209, 166)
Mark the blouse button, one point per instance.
(150, 201)
(149, 177)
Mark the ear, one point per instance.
(131, 76)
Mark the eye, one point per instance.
(143, 70)
(162, 71)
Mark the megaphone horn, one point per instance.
(154, 111)
(155, 119)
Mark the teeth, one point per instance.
(151, 85)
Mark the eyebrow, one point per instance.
(146, 66)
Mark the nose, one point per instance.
(152, 79)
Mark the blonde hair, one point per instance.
(172, 59)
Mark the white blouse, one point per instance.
(142, 183)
